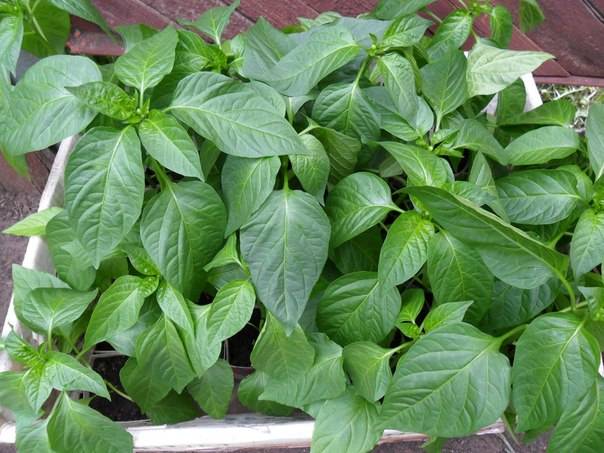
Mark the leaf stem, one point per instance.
(576, 307)
(402, 347)
(569, 290)
(284, 169)
(119, 392)
(162, 177)
(515, 331)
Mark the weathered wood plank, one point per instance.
(39, 166)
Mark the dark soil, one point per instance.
(240, 346)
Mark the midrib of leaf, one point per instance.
(418, 227)
(364, 300)
(462, 281)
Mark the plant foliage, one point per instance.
(411, 258)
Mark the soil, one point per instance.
(14, 206)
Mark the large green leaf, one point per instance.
(405, 248)
(501, 22)
(73, 426)
(312, 169)
(182, 228)
(514, 306)
(538, 197)
(69, 257)
(104, 188)
(451, 383)
(26, 280)
(65, 373)
(405, 31)
(507, 251)
(560, 112)
(169, 143)
(421, 166)
(457, 274)
(213, 21)
(324, 49)
(556, 362)
(13, 395)
(361, 253)
(399, 80)
(118, 308)
(541, 145)
(451, 34)
(447, 93)
(348, 423)
(285, 245)
(444, 314)
(368, 366)
(34, 224)
(148, 62)
(106, 98)
(344, 107)
(356, 307)
(281, 356)
(48, 309)
(249, 392)
(324, 380)
(587, 245)
(388, 9)
(43, 111)
(342, 151)
(233, 116)
(594, 131)
(175, 307)
(475, 136)
(357, 203)
(11, 36)
(491, 69)
(84, 9)
(161, 352)
(246, 184)
(213, 390)
(145, 386)
(581, 427)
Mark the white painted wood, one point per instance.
(236, 431)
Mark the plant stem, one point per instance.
(402, 347)
(569, 290)
(161, 175)
(119, 392)
(576, 307)
(515, 331)
(284, 169)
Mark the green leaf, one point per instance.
(34, 224)
(405, 249)
(11, 37)
(560, 112)
(145, 386)
(33, 437)
(531, 15)
(542, 145)
(84, 9)
(213, 390)
(54, 24)
(356, 307)
(69, 257)
(355, 204)
(106, 98)
(405, 31)
(104, 188)
(323, 50)
(482, 175)
(249, 391)
(511, 102)
(341, 150)
(175, 307)
(132, 34)
(13, 395)
(399, 80)
(587, 244)
(125, 342)
(475, 136)
(445, 94)
(451, 34)
(581, 427)
(348, 423)
(389, 9)
(361, 253)
(73, 426)
(312, 170)
(324, 380)
(281, 356)
(246, 184)
(344, 107)
(226, 255)
(247, 127)
(412, 303)
(457, 273)
(43, 111)
(65, 373)
(368, 365)
(445, 314)
(161, 352)
(52, 308)
(118, 308)
(169, 143)
(26, 280)
(285, 245)
(538, 197)
(182, 228)
(506, 250)
(502, 26)
(421, 166)
(594, 131)
(511, 306)
(491, 69)
(148, 62)
(556, 362)
(213, 21)
(453, 370)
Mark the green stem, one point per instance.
(576, 307)
(361, 70)
(515, 331)
(309, 128)
(569, 290)
(49, 338)
(162, 177)
(284, 169)
(432, 15)
(116, 390)
(402, 347)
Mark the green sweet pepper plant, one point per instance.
(413, 259)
